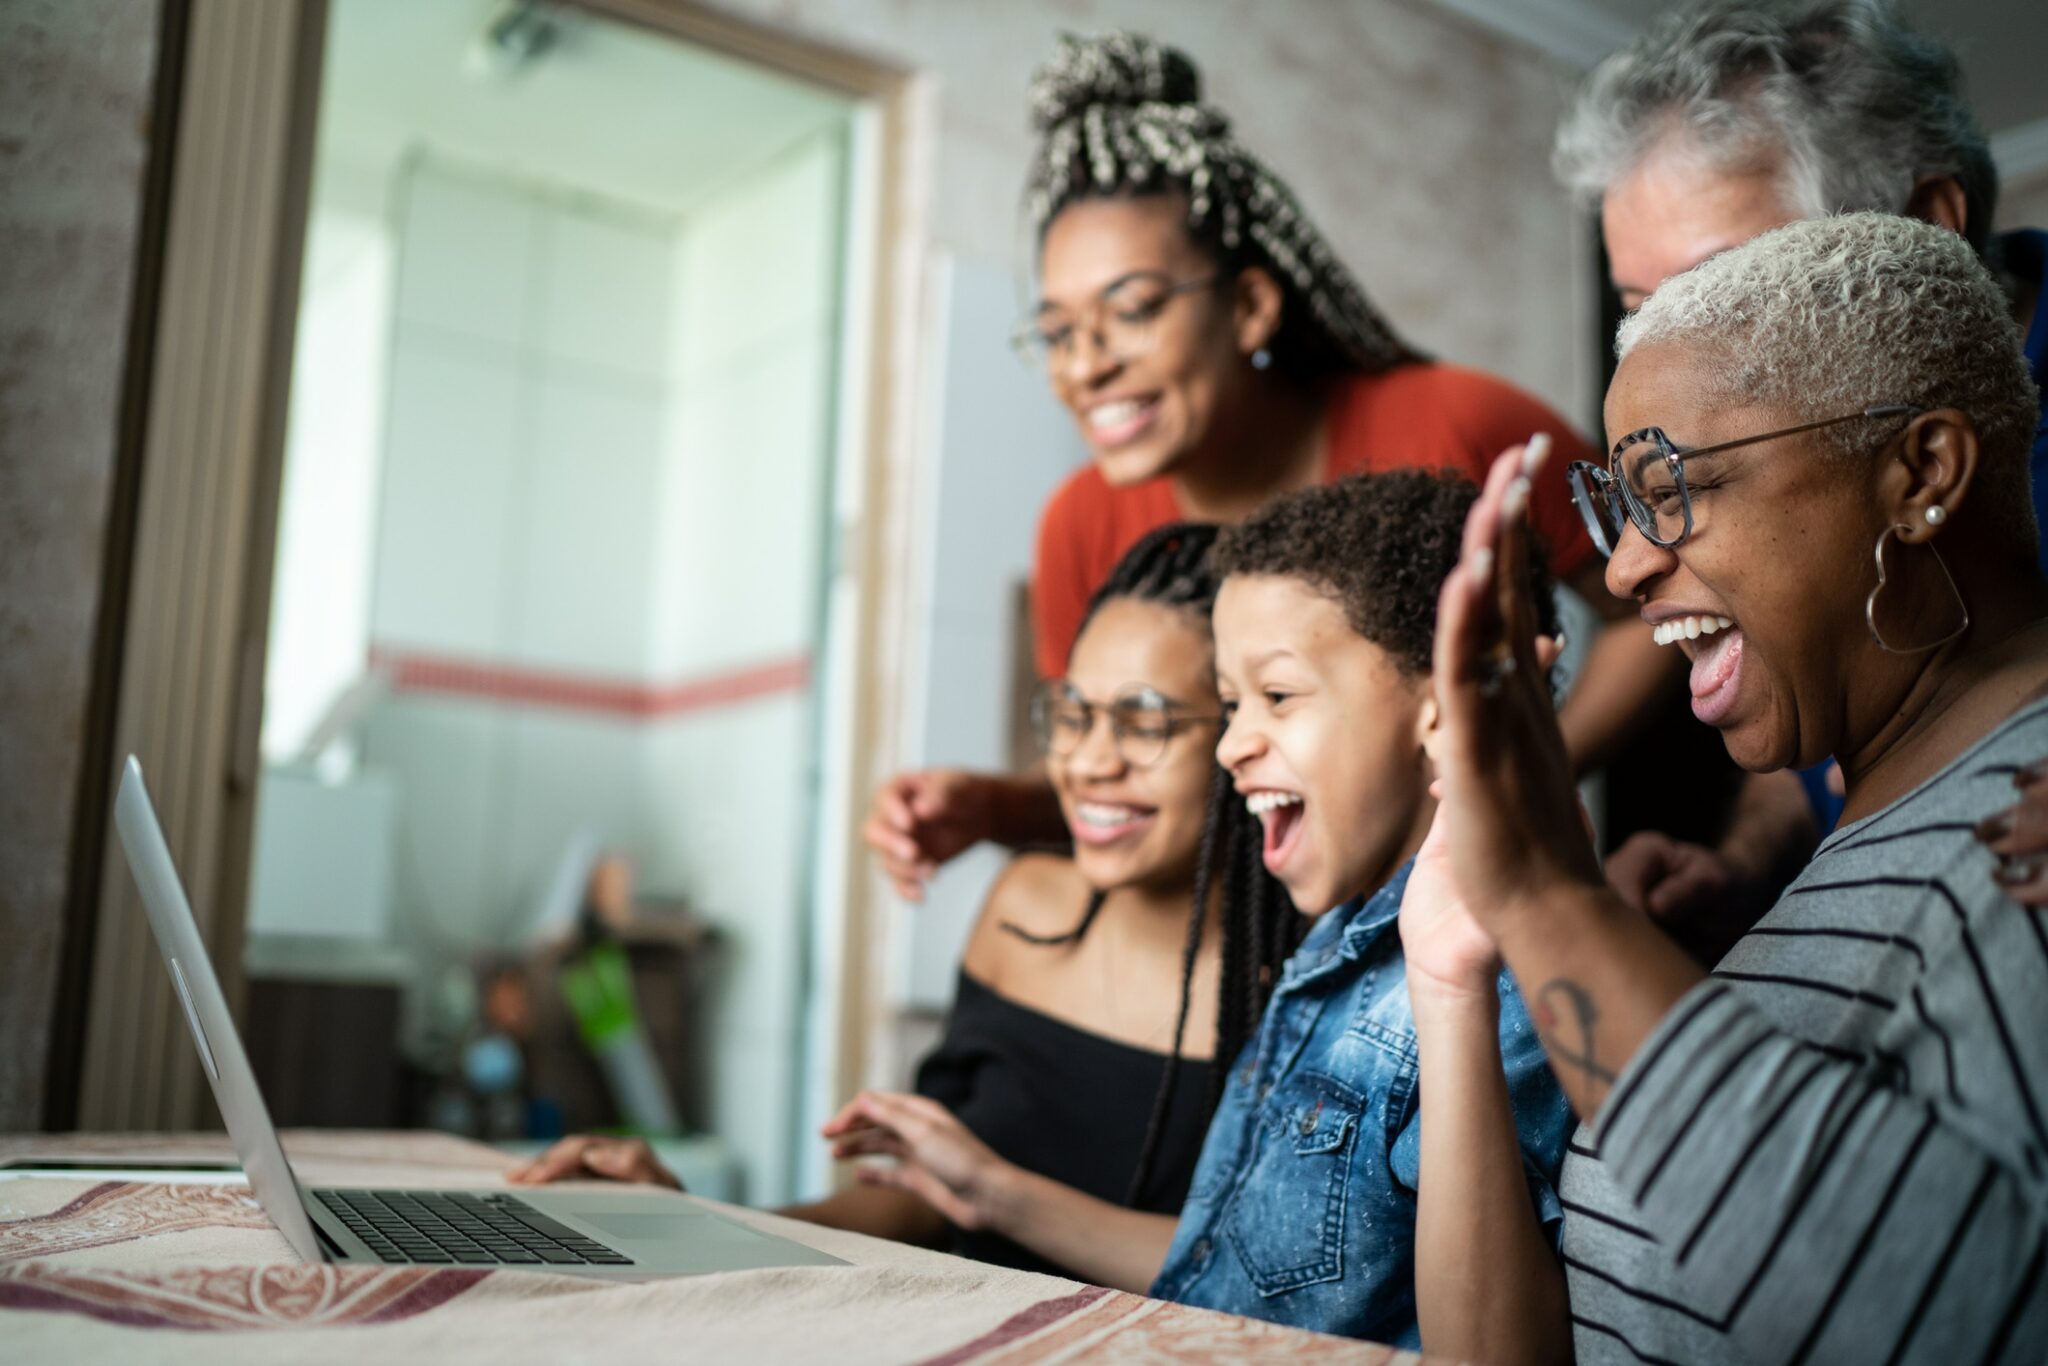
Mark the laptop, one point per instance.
(629, 1234)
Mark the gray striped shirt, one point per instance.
(1836, 1149)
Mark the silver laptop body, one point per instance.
(627, 1234)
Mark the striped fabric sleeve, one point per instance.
(1822, 1206)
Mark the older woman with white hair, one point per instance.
(1836, 1146)
(1724, 119)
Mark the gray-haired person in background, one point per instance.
(1722, 122)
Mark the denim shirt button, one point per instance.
(1308, 1122)
(1201, 1251)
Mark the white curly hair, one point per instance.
(1831, 315)
(1842, 98)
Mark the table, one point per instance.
(111, 1271)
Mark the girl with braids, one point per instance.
(1075, 1065)
(1214, 352)
(1073, 1085)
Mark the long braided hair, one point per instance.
(1170, 567)
(1121, 115)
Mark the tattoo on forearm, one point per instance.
(1565, 1016)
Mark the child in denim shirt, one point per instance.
(1304, 1204)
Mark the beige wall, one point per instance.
(1417, 141)
(74, 115)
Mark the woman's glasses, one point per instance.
(1122, 321)
(1142, 721)
(1644, 482)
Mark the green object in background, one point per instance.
(599, 985)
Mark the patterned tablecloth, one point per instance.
(123, 1271)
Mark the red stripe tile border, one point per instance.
(413, 671)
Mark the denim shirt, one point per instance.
(1302, 1209)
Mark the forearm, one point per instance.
(1624, 675)
(1024, 811)
(1597, 977)
(878, 1211)
(1095, 1240)
(1487, 1285)
(1771, 832)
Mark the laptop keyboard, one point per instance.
(459, 1227)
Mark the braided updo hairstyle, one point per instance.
(1121, 115)
(1170, 567)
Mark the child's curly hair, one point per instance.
(1379, 546)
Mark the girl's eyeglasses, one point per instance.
(1142, 721)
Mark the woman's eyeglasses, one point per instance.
(1644, 482)
(1122, 321)
(1142, 721)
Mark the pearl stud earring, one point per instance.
(1936, 515)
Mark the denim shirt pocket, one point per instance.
(1288, 1217)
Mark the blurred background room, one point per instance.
(520, 472)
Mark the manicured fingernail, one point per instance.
(1517, 500)
(2014, 871)
(1995, 827)
(1535, 453)
(1480, 564)
(2031, 774)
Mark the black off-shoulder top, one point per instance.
(1064, 1103)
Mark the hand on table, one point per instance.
(612, 1159)
(937, 1157)
(919, 820)
(2019, 836)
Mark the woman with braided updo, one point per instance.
(1215, 352)
(1074, 1080)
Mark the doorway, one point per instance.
(553, 584)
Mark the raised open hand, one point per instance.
(1510, 810)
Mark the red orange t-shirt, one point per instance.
(1421, 416)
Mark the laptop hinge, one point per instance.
(334, 1250)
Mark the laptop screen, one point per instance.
(206, 1014)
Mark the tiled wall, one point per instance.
(327, 513)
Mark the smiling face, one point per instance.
(1141, 415)
(1324, 741)
(1780, 550)
(1672, 212)
(1139, 825)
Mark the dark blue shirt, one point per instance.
(2026, 255)
(1302, 1209)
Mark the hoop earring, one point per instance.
(1870, 603)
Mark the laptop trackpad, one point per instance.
(645, 1227)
